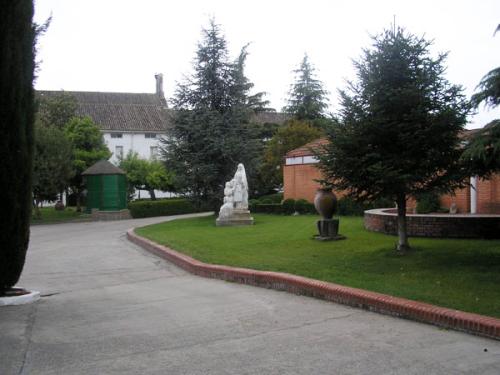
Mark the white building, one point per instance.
(128, 121)
(135, 121)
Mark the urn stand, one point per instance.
(325, 203)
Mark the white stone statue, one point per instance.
(226, 209)
(240, 188)
(234, 211)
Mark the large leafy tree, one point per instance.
(397, 135)
(307, 99)
(88, 148)
(17, 39)
(52, 167)
(146, 174)
(294, 134)
(211, 130)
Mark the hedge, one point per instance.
(140, 209)
(288, 207)
(427, 203)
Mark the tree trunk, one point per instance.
(38, 213)
(403, 245)
(152, 194)
(78, 203)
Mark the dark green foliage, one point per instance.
(271, 198)
(17, 38)
(399, 124)
(489, 90)
(52, 167)
(307, 97)
(304, 207)
(428, 203)
(162, 207)
(348, 206)
(267, 208)
(55, 110)
(482, 153)
(294, 134)
(272, 205)
(288, 206)
(211, 130)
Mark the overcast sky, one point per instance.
(118, 45)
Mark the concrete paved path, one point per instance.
(111, 308)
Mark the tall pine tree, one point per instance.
(307, 98)
(17, 37)
(211, 130)
(398, 132)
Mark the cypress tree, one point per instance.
(307, 98)
(211, 129)
(16, 143)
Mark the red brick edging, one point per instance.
(377, 302)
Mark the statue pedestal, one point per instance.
(328, 230)
(238, 217)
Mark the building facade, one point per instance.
(300, 173)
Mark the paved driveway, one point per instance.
(111, 308)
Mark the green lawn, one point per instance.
(50, 215)
(459, 274)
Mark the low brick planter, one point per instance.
(435, 225)
(381, 303)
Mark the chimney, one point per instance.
(159, 85)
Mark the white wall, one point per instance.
(131, 141)
(136, 142)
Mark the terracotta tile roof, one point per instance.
(306, 149)
(114, 111)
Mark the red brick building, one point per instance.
(300, 173)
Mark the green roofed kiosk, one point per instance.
(106, 191)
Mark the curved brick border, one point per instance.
(381, 303)
(384, 220)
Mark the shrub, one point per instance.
(427, 203)
(304, 207)
(266, 200)
(271, 198)
(252, 203)
(271, 208)
(288, 206)
(347, 206)
(139, 209)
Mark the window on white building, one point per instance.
(149, 135)
(153, 152)
(116, 135)
(119, 152)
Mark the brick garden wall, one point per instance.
(435, 225)
(298, 183)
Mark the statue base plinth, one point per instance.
(238, 217)
(328, 230)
